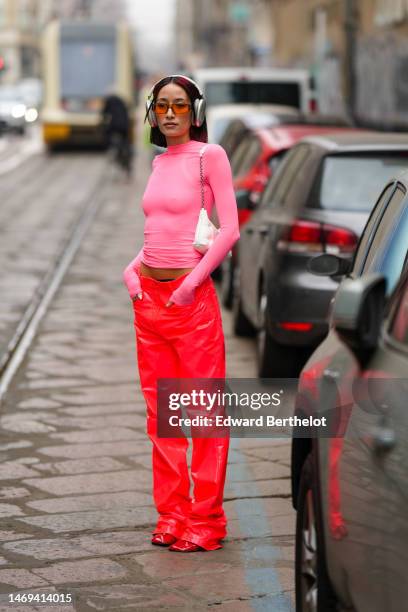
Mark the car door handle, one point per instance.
(331, 374)
(383, 440)
(263, 230)
(249, 230)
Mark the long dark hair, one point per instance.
(196, 133)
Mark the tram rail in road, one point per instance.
(26, 329)
(15, 150)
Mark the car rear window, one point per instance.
(354, 182)
(251, 155)
(255, 92)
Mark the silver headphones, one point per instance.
(198, 105)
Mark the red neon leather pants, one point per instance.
(183, 342)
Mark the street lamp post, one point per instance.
(350, 31)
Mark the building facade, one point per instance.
(19, 51)
(21, 24)
(357, 51)
(223, 32)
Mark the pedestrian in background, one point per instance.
(116, 126)
(176, 311)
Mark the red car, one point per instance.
(253, 161)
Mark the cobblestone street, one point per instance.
(76, 508)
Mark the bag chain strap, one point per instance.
(202, 177)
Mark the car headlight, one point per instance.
(18, 111)
(31, 115)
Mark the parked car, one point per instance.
(317, 202)
(350, 486)
(238, 128)
(249, 85)
(220, 117)
(253, 162)
(31, 92)
(228, 124)
(12, 109)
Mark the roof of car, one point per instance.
(264, 119)
(252, 73)
(242, 111)
(284, 136)
(361, 140)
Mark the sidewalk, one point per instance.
(75, 477)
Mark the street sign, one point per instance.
(239, 12)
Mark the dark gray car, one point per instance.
(350, 485)
(317, 202)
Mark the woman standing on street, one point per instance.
(177, 316)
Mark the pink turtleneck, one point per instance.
(171, 205)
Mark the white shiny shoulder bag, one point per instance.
(205, 232)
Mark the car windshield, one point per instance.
(218, 128)
(354, 182)
(389, 248)
(253, 92)
(87, 67)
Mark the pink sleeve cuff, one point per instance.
(183, 295)
(131, 277)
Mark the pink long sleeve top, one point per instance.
(171, 205)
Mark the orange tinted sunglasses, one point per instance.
(178, 108)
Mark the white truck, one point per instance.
(288, 87)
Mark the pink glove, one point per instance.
(184, 294)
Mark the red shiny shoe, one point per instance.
(185, 546)
(163, 539)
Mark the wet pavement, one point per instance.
(15, 149)
(41, 203)
(75, 479)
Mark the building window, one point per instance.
(390, 11)
(27, 14)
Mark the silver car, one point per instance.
(12, 109)
(350, 482)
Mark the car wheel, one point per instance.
(274, 359)
(314, 592)
(217, 274)
(241, 325)
(226, 282)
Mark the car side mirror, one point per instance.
(329, 265)
(244, 200)
(358, 312)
